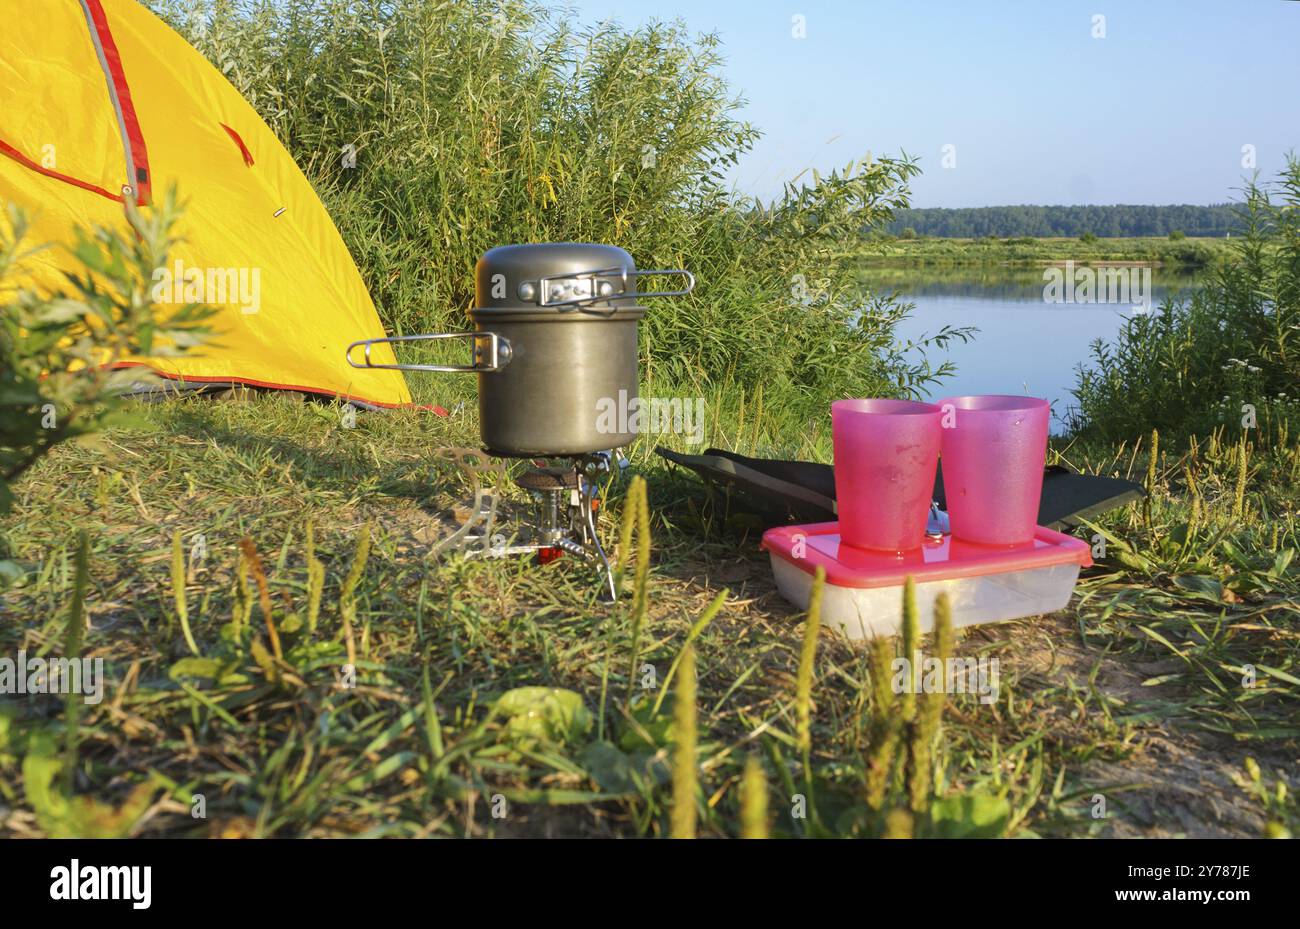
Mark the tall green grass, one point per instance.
(478, 124)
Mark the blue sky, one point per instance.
(1036, 108)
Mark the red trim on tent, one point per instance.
(249, 382)
(142, 181)
(243, 149)
(26, 162)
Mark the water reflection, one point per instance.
(1024, 345)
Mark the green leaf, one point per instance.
(619, 772)
(11, 572)
(549, 715)
(647, 729)
(212, 669)
(1279, 674)
(1203, 586)
(969, 816)
(40, 770)
(1130, 559)
(610, 768)
(64, 817)
(390, 765)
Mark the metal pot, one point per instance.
(554, 346)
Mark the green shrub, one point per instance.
(56, 350)
(1232, 347)
(477, 124)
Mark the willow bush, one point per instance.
(1231, 348)
(477, 124)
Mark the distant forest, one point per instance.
(1042, 221)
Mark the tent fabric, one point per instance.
(100, 101)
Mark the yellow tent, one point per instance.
(101, 101)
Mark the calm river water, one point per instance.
(1026, 344)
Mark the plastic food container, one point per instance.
(863, 596)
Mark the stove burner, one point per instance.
(552, 478)
(565, 503)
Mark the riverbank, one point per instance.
(1190, 253)
(1136, 693)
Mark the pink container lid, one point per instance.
(848, 566)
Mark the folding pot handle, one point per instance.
(489, 352)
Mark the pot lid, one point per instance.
(563, 275)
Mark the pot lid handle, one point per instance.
(583, 288)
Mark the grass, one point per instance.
(378, 712)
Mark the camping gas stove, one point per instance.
(565, 504)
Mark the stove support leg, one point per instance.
(589, 515)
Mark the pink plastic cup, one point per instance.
(886, 453)
(994, 448)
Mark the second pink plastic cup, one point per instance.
(994, 449)
(886, 454)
